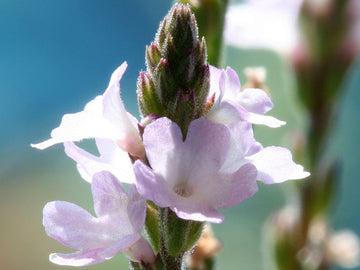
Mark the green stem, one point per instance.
(169, 262)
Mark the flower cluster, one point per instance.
(212, 163)
(215, 167)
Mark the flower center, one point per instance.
(182, 190)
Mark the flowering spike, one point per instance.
(176, 63)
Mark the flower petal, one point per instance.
(111, 157)
(204, 149)
(114, 111)
(141, 251)
(215, 75)
(235, 188)
(226, 112)
(109, 195)
(266, 120)
(226, 190)
(80, 258)
(255, 100)
(200, 213)
(122, 245)
(242, 144)
(185, 175)
(151, 187)
(125, 215)
(275, 165)
(161, 138)
(104, 117)
(230, 83)
(78, 126)
(74, 227)
(136, 209)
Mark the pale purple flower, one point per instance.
(111, 159)
(117, 227)
(231, 104)
(186, 175)
(115, 130)
(214, 168)
(273, 164)
(271, 24)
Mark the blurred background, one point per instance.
(55, 56)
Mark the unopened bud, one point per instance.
(152, 57)
(148, 99)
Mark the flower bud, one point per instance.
(176, 83)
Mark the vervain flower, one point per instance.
(231, 104)
(186, 175)
(117, 227)
(115, 130)
(214, 168)
(273, 164)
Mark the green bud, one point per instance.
(176, 84)
(148, 93)
(153, 56)
(210, 15)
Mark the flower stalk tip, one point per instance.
(176, 82)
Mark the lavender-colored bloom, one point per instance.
(273, 164)
(186, 175)
(231, 104)
(238, 110)
(214, 168)
(117, 227)
(114, 129)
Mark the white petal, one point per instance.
(114, 111)
(230, 83)
(266, 120)
(255, 100)
(275, 165)
(114, 207)
(78, 126)
(80, 258)
(226, 112)
(74, 227)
